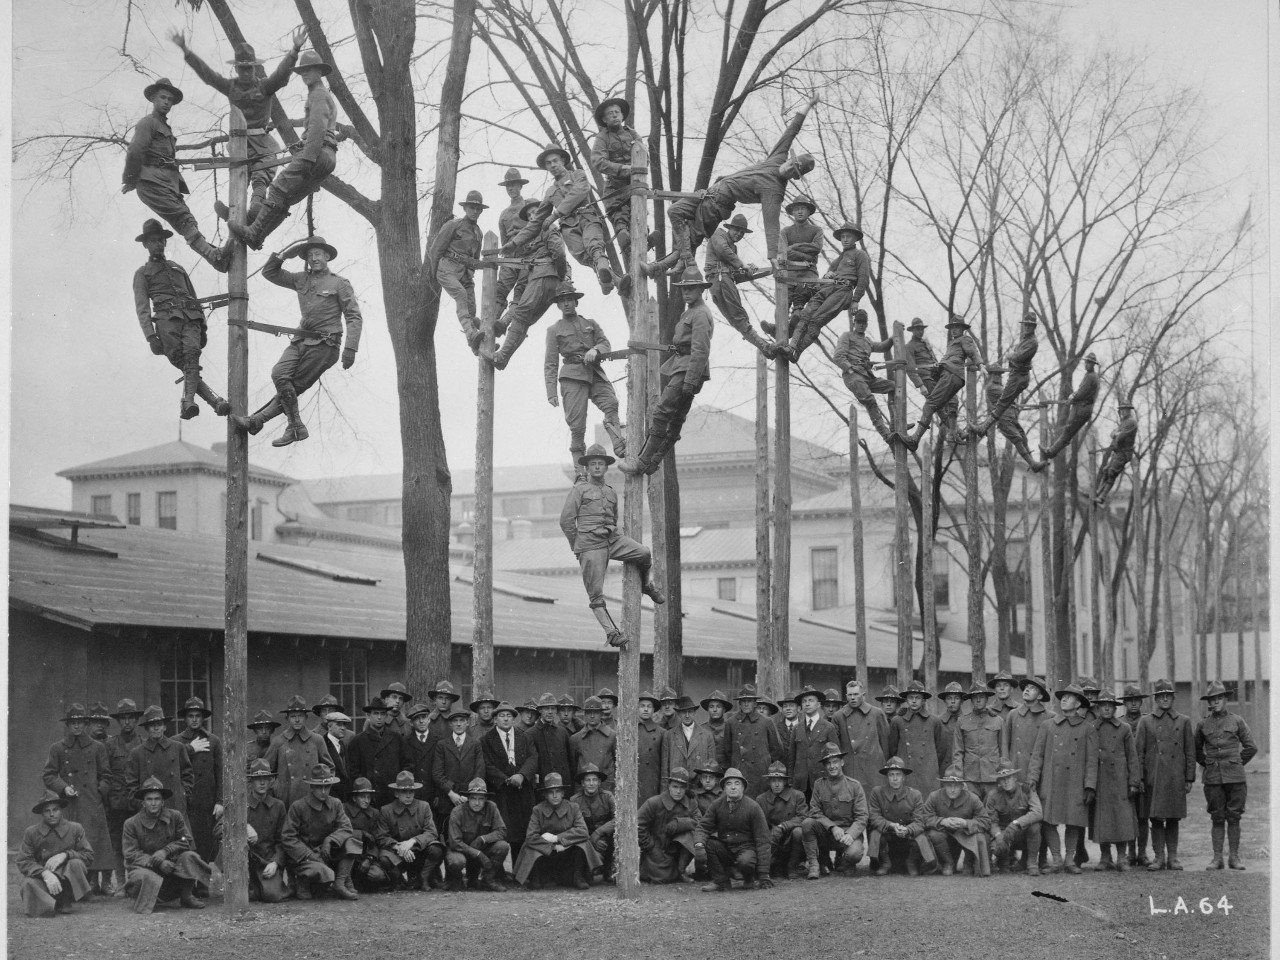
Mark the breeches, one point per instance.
(182, 340)
(864, 388)
(725, 295)
(595, 562)
(825, 307)
(301, 365)
(900, 850)
(673, 406)
(539, 294)
(455, 862)
(167, 203)
(456, 280)
(700, 217)
(946, 386)
(574, 396)
(147, 886)
(1008, 425)
(302, 177)
(585, 239)
(511, 282)
(820, 834)
(262, 149)
(1225, 801)
(1013, 388)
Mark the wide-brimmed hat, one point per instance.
(808, 691)
(739, 222)
(153, 714)
(512, 177)
(915, 686)
(553, 781)
(1006, 769)
(890, 692)
(259, 768)
(474, 199)
(153, 229)
(710, 765)
(444, 688)
(245, 54)
(685, 702)
(717, 696)
(953, 774)
(1127, 406)
(588, 768)
(747, 692)
(76, 711)
(957, 321)
(317, 241)
(1004, 675)
(1216, 688)
(831, 750)
(404, 781)
(396, 687)
(151, 89)
(593, 705)
(848, 227)
(529, 706)
(733, 773)
(564, 290)
(486, 696)
(504, 707)
(310, 58)
(263, 718)
(547, 700)
(363, 785)
(832, 695)
(802, 200)
(374, 706)
(607, 694)
(456, 712)
(977, 690)
(777, 771)
(916, 324)
(678, 775)
(1106, 696)
(954, 689)
(595, 452)
(1038, 682)
(618, 102)
(296, 705)
(152, 785)
(1077, 690)
(553, 149)
(330, 702)
(692, 277)
(1030, 317)
(768, 706)
(195, 703)
(1162, 686)
(894, 763)
(651, 697)
(48, 798)
(477, 787)
(126, 708)
(99, 711)
(417, 710)
(1089, 683)
(1133, 692)
(667, 693)
(1090, 358)
(322, 775)
(565, 700)
(523, 212)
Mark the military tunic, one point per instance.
(540, 242)
(1018, 736)
(581, 228)
(1079, 412)
(39, 843)
(316, 836)
(686, 370)
(511, 280)
(736, 835)
(1223, 746)
(920, 740)
(167, 307)
(938, 807)
(151, 167)
(412, 821)
(802, 243)
(567, 340)
(589, 520)
(853, 359)
(317, 155)
(1018, 359)
(722, 267)
(169, 761)
(83, 763)
(451, 262)
(598, 746)
(750, 743)
(149, 841)
(611, 159)
(850, 276)
(976, 748)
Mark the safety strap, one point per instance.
(272, 328)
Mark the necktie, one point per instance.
(511, 750)
(458, 738)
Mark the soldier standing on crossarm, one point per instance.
(848, 278)
(611, 159)
(511, 280)
(1018, 365)
(923, 370)
(853, 357)
(1080, 413)
(452, 260)
(802, 240)
(724, 269)
(1007, 422)
(539, 242)
(949, 374)
(1117, 454)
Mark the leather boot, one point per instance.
(1233, 840)
(510, 343)
(665, 444)
(794, 345)
(947, 865)
(1171, 847)
(297, 430)
(217, 257)
(651, 453)
(604, 273)
(795, 862)
(617, 436)
(219, 405)
(190, 381)
(984, 856)
(877, 421)
(1157, 849)
(651, 589)
(270, 216)
(813, 871)
(1217, 834)
(770, 350)
(342, 887)
(257, 197)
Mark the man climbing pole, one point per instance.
(1018, 364)
(853, 357)
(325, 301)
(569, 201)
(611, 159)
(922, 370)
(314, 158)
(848, 276)
(802, 239)
(1007, 420)
(693, 220)
(724, 270)
(590, 522)
(686, 371)
(452, 259)
(575, 346)
(172, 319)
(961, 349)
(511, 279)
(540, 245)
(252, 95)
(151, 168)
(1117, 454)
(1081, 403)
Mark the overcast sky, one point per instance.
(85, 386)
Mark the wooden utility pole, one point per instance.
(235, 646)
(668, 647)
(973, 533)
(1046, 559)
(1095, 565)
(764, 605)
(929, 615)
(778, 667)
(482, 563)
(1254, 612)
(859, 570)
(1166, 547)
(644, 326)
(1028, 625)
(1140, 575)
(904, 569)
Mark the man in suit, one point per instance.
(375, 752)
(687, 744)
(510, 762)
(648, 749)
(786, 723)
(327, 706)
(337, 740)
(418, 752)
(458, 761)
(551, 740)
(809, 741)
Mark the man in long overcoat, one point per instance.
(665, 826)
(53, 859)
(551, 740)
(376, 752)
(1022, 723)
(917, 736)
(863, 731)
(1064, 772)
(648, 749)
(79, 771)
(204, 804)
(1119, 782)
(751, 741)
(1167, 752)
(169, 761)
(295, 753)
(157, 851)
(895, 822)
(557, 846)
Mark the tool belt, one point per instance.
(682, 349)
(260, 131)
(161, 304)
(164, 162)
(578, 358)
(328, 339)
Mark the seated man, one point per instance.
(556, 846)
(452, 260)
(317, 839)
(896, 821)
(266, 814)
(157, 851)
(733, 835)
(707, 790)
(477, 841)
(53, 859)
(411, 850)
(1013, 810)
(665, 825)
(838, 819)
(785, 810)
(847, 280)
(597, 808)
(955, 820)
(369, 830)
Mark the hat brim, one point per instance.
(161, 234)
(143, 791)
(1079, 695)
(324, 68)
(555, 786)
(833, 756)
(126, 714)
(147, 721)
(477, 704)
(458, 715)
(518, 181)
(453, 697)
(264, 775)
(152, 89)
(1135, 696)
(654, 700)
(302, 709)
(83, 717)
(739, 226)
(327, 782)
(472, 203)
(373, 707)
(404, 786)
(857, 234)
(577, 295)
(203, 712)
(331, 250)
(476, 793)
(1209, 696)
(371, 790)
(1039, 686)
(612, 102)
(728, 705)
(250, 62)
(60, 802)
(554, 152)
(316, 708)
(923, 693)
(885, 771)
(700, 284)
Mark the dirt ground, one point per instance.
(1105, 915)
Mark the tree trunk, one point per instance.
(928, 602)
(859, 573)
(976, 631)
(903, 568)
(482, 673)
(1001, 471)
(764, 605)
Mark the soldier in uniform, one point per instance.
(567, 711)
(837, 818)
(442, 697)
(853, 357)
(477, 839)
(120, 803)
(802, 239)
(453, 258)
(204, 803)
(369, 830)
(314, 156)
(611, 160)
(923, 371)
(953, 698)
(411, 850)
(1007, 421)
(595, 744)
(750, 743)
(575, 347)
(169, 761)
(569, 202)
(1132, 699)
(78, 770)
(318, 842)
(724, 270)
(831, 702)
(1224, 746)
(862, 730)
(151, 168)
(397, 696)
(895, 823)
(785, 811)
(325, 300)
(976, 744)
(848, 278)
(1064, 772)
(263, 727)
(551, 740)
(510, 763)
(589, 521)
(598, 809)
(716, 706)
(949, 374)
(665, 826)
(918, 737)
(1080, 413)
(732, 835)
(252, 95)
(1002, 686)
(267, 878)
(1117, 454)
(686, 370)
(1020, 725)
(376, 752)
(1018, 365)
(295, 753)
(648, 748)
(172, 319)
(955, 820)
(511, 280)
(1014, 812)
(1166, 751)
(706, 790)
(764, 183)
(556, 848)
(542, 245)
(53, 859)
(157, 851)
(1119, 782)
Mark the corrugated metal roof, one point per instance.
(175, 455)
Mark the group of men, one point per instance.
(431, 795)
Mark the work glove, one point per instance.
(348, 358)
(156, 346)
(52, 882)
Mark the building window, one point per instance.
(826, 588)
(167, 510)
(581, 678)
(941, 578)
(394, 515)
(348, 679)
(361, 513)
(733, 678)
(100, 506)
(184, 673)
(133, 507)
(255, 520)
(551, 506)
(1019, 564)
(515, 507)
(727, 588)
